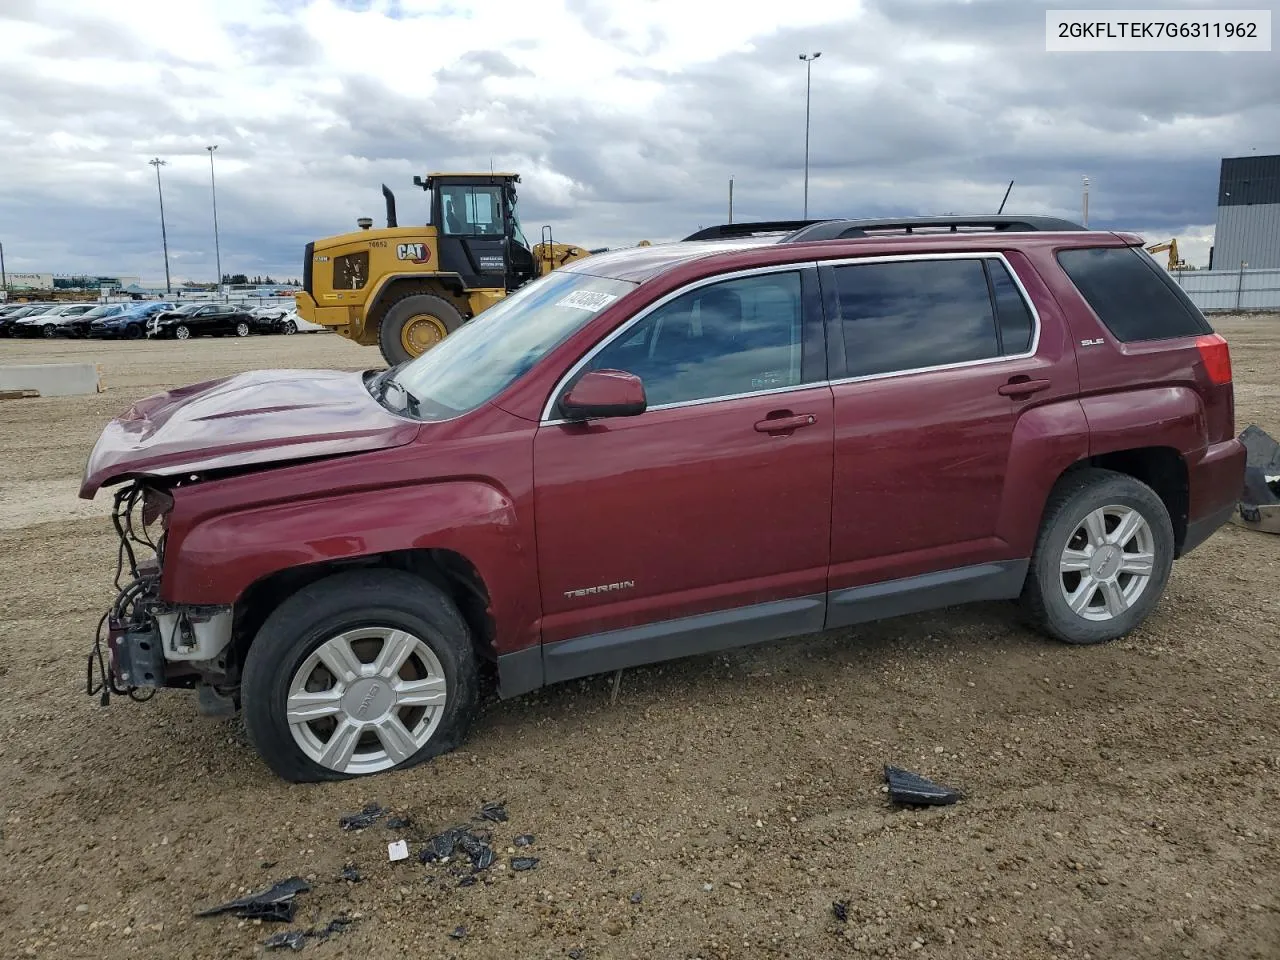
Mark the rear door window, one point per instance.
(1131, 295)
(912, 314)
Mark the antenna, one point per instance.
(1006, 197)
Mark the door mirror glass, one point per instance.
(604, 393)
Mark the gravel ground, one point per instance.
(1122, 799)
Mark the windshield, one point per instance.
(488, 354)
(98, 312)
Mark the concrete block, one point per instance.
(52, 379)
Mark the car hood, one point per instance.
(261, 417)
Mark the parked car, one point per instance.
(201, 319)
(290, 323)
(130, 323)
(721, 443)
(20, 311)
(51, 322)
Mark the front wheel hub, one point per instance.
(366, 700)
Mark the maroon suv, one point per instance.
(666, 451)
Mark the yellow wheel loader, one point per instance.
(407, 288)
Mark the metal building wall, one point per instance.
(1248, 213)
(1248, 233)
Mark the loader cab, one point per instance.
(478, 230)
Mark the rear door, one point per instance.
(934, 358)
(706, 519)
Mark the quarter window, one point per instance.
(736, 337)
(1135, 298)
(910, 314)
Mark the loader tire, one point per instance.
(412, 326)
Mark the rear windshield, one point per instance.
(1133, 296)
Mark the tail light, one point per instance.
(1216, 356)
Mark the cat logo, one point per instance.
(416, 252)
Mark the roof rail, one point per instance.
(726, 230)
(844, 229)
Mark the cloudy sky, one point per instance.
(626, 119)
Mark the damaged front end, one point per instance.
(149, 643)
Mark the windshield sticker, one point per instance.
(586, 300)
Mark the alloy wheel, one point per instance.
(366, 700)
(1107, 562)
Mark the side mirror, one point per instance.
(604, 393)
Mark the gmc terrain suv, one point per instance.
(666, 451)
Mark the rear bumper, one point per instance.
(1216, 481)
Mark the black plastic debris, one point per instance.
(275, 903)
(524, 840)
(288, 940)
(399, 823)
(468, 881)
(350, 874)
(336, 925)
(483, 860)
(840, 909)
(496, 812)
(1259, 506)
(439, 847)
(524, 863)
(637, 897)
(365, 818)
(577, 953)
(914, 790)
(457, 933)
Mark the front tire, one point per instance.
(182, 332)
(289, 328)
(414, 325)
(359, 673)
(1102, 558)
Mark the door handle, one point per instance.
(1022, 387)
(785, 422)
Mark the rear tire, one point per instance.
(412, 325)
(282, 663)
(242, 329)
(133, 332)
(1102, 558)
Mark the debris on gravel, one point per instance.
(911, 789)
(350, 874)
(524, 840)
(275, 903)
(495, 812)
(365, 818)
(290, 939)
(840, 910)
(524, 863)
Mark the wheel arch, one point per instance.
(454, 574)
(395, 287)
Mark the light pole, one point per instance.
(808, 59)
(4, 277)
(213, 186)
(164, 237)
(1085, 200)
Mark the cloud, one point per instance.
(625, 121)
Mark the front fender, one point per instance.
(220, 556)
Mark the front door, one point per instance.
(705, 521)
(472, 235)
